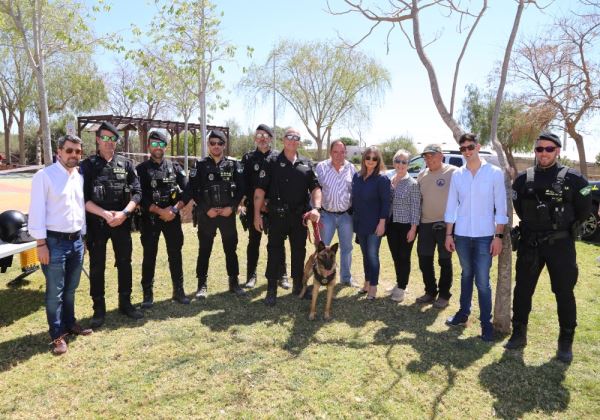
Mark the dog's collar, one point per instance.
(322, 279)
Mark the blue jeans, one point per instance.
(62, 278)
(475, 261)
(343, 224)
(369, 245)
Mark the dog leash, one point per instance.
(316, 228)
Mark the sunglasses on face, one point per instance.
(373, 158)
(548, 149)
(113, 139)
(160, 144)
(262, 136)
(292, 137)
(401, 161)
(463, 149)
(71, 150)
(216, 143)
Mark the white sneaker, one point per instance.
(391, 289)
(398, 295)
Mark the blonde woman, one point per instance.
(405, 212)
(371, 207)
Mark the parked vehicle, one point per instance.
(590, 229)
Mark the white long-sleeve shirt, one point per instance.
(476, 204)
(56, 202)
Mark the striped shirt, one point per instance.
(406, 202)
(336, 186)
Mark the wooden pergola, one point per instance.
(144, 125)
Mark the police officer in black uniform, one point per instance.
(550, 199)
(289, 182)
(111, 191)
(162, 183)
(216, 186)
(252, 162)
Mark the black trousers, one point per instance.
(429, 240)
(207, 229)
(252, 251)
(281, 228)
(98, 234)
(400, 249)
(560, 258)
(151, 228)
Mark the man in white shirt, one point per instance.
(476, 209)
(335, 176)
(57, 222)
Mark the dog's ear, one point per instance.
(334, 248)
(320, 246)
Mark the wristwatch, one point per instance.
(175, 210)
(499, 235)
(317, 209)
(126, 212)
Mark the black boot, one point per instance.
(564, 353)
(202, 291)
(99, 312)
(283, 282)
(179, 295)
(297, 286)
(518, 339)
(250, 280)
(234, 286)
(148, 299)
(271, 298)
(127, 309)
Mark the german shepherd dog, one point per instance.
(321, 264)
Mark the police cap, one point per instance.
(266, 129)
(217, 134)
(550, 137)
(157, 135)
(105, 125)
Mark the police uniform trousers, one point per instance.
(98, 234)
(207, 229)
(151, 228)
(280, 228)
(254, 237)
(560, 258)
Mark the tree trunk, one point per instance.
(503, 301)
(510, 161)
(185, 144)
(21, 134)
(578, 138)
(7, 118)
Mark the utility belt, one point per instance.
(279, 210)
(534, 239)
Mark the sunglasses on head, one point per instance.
(216, 143)
(463, 149)
(401, 161)
(292, 137)
(262, 136)
(373, 158)
(113, 139)
(548, 149)
(70, 150)
(157, 143)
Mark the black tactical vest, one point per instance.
(163, 181)
(110, 188)
(216, 184)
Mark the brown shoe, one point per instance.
(441, 303)
(425, 299)
(77, 329)
(60, 346)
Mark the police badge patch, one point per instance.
(282, 164)
(256, 167)
(262, 174)
(211, 177)
(192, 172)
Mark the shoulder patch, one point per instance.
(585, 190)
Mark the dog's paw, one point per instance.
(311, 317)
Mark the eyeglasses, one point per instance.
(216, 143)
(262, 136)
(470, 147)
(71, 150)
(292, 137)
(373, 158)
(160, 144)
(113, 139)
(548, 149)
(401, 162)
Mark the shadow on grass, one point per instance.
(520, 389)
(18, 303)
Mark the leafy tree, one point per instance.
(349, 141)
(322, 82)
(389, 147)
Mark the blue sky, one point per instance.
(407, 108)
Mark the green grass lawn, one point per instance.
(234, 357)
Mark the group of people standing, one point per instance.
(276, 193)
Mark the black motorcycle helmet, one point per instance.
(13, 227)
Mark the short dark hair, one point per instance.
(333, 143)
(468, 137)
(73, 139)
